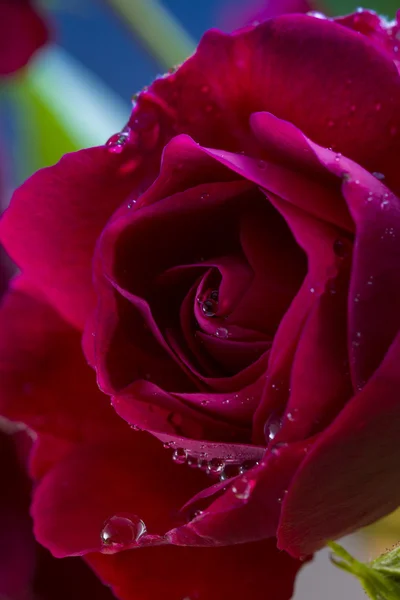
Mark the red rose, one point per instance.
(240, 303)
(22, 32)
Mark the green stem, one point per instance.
(157, 28)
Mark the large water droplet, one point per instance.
(122, 531)
(242, 488)
(179, 456)
(118, 141)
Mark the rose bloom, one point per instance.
(22, 32)
(232, 259)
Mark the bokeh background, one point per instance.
(77, 92)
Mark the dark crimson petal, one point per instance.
(45, 381)
(257, 511)
(99, 480)
(256, 571)
(213, 94)
(17, 547)
(355, 465)
(320, 377)
(22, 32)
(385, 34)
(317, 239)
(374, 297)
(65, 579)
(54, 220)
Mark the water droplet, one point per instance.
(209, 303)
(136, 428)
(242, 488)
(117, 142)
(180, 456)
(221, 332)
(338, 157)
(261, 164)
(290, 417)
(272, 427)
(204, 196)
(312, 290)
(121, 531)
(378, 175)
(385, 204)
(192, 462)
(226, 401)
(216, 465)
(316, 14)
(204, 402)
(278, 447)
(197, 513)
(168, 445)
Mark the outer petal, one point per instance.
(355, 465)
(44, 380)
(384, 34)
(254, 571)
(54, 220)
(135, 477)
(213, 94)
(22, 32)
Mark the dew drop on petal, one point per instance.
(242, 488)
(121, 531)
(216, 465)
(272, 427)
(378, 175)
(117, 142)
(204, 196)
(179, 456)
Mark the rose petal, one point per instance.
(45, 382)
(213, 94)
(97, 481)
(54, 220)
(354, 464)
(235, 572)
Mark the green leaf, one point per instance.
(379, 578)
(343, 7)
(61, 107)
